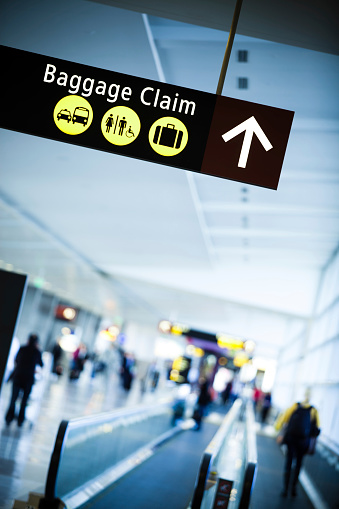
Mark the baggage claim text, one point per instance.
(148, 96)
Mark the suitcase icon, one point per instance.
(168, 136)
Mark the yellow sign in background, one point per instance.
(73, 114)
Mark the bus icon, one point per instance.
(80, 115)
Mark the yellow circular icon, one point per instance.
(120, 125)
(73, 114)
(168, 136)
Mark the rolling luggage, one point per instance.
(74, 374)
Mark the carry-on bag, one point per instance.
(168, 136)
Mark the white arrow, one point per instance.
(250, 126)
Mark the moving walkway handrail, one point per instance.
(212, 451)
(251, 457)
(50, 496)
(113, 419)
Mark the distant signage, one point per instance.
(145, 119)
(66, 313)
(180, 369)
(224, 340)
(223, 494)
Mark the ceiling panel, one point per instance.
(318, 30)
(123, 236)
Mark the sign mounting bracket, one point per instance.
(229, 46)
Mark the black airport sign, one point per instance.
(144, 119)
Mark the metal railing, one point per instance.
(251, 458)
(229, 463)
(212, 452)
(92, 452)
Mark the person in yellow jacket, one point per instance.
(298, 424)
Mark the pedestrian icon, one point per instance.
(120, 125)
(73, 114)
(168, 136)
(109, 123)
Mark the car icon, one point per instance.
(80, 115)
(65, 115)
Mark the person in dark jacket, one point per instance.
(266, 406)
(203, 401)
(28, 357)
(57, 354)
(300, 423)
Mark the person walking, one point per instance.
(203, 402)
(127, 370)
(299, 423)
(265, 407)
(57, 354)
(257, 395)
(226, 394)
(79, 359)
(28, 357)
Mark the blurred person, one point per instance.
(203, 401)
(227, 392)
(179, 404)
(127, 370)
(153, 375)
(299, 424)
(179, 408)
(80, 356)
(246, 392)
(257, 395)
(112, 357)
(237, 388)
(266, 402)
(99, 365)
(26, 360)
(57, 354)
(155, 380)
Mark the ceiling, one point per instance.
(311, 24)
(126, 237)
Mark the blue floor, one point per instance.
(164, 481)
(25, 452)
(323, 470)
(269, 481)
(168, 477)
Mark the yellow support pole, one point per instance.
(229, 46)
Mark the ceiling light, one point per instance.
(69, 313)
(165, 326)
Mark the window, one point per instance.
(242, 55)
(242, 83)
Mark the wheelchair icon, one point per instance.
(130, 133)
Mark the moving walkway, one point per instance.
(137, 458)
